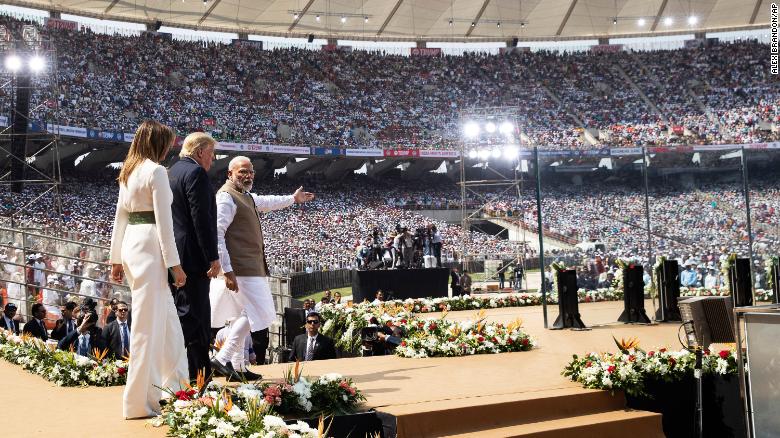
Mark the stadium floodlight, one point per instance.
(343, 19)
(484, 154)
(496, 153)
(511, 152)
(641, 22)
(692, 20)
(317, 17)
(473, 154)
(490, 127)
(295, 16)
(506, 128)
(37, 64)
(365, 19)
(13, 63)
(668, 21)
(471, 130)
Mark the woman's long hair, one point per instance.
(152, 140)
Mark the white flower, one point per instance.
(330, 377)
(236, 414)
(273, 421)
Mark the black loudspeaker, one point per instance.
(311, 38)
(708, 320)
(669, 292)
(568, 305)
(294, 322)
(515, 40)
(19, 121)
(157, 25)
(776, 284)
(634, 296)
(740, 283)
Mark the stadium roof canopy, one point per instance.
(430, 20)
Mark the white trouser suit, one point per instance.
(158, 358)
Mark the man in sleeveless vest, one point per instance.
(242, 256)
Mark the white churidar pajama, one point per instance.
(253, 301)
(158, 358)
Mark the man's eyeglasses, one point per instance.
(312, 321)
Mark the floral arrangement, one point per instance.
(441, 337)
(725, 266)
(64, 368)
(769, 265)
(631, 367)
(253, 410)
(429, 337)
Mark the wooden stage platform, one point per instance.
(510, 394)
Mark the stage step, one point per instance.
(554, 408)
(614, 424)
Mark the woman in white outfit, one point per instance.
(143, 248)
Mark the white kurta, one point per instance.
(254, 295)
(158, 358)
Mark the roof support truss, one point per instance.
(476, 19)
(389, 17)
(566, 17)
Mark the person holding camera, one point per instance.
(88, 336)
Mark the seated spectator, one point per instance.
(66, 324)
(324, 300)
(312, 345)
(36, 327)
(8, 322)
(379, 299)
(116, 334)
(86, 338)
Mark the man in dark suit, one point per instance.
(194, 211)
(7, 321)
(66, 325)
(86, 338)
(116, 334)
(455, 282)
(312, 345)
(36, 327)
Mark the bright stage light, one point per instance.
(490, 127)
(641, 22)
(484, 154)
(506, 128)
(668, 21)
(496, 153)
(472, 154)
(471, 130)
(511, 152)
(13, 63)
(37, 64)
(692, 20)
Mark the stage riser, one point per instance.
(484, 415)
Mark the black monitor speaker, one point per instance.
(157, 25)
(515, 40)
(311, 38)
(707, 320)
(568, 304)
(634, 296)
(668, 292)
(294, 324)
(739, 283)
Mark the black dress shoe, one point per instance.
(222, 370)
(249, 376)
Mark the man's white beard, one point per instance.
(245, 187)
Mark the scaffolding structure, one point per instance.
(500, 145)
(29, 71)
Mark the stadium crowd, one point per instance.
(721, 93)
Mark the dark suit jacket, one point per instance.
(95, 338)
(15, 324)
(194, 211)
(324, 348)
(112, 338)
(34, 328)
(59, 333)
